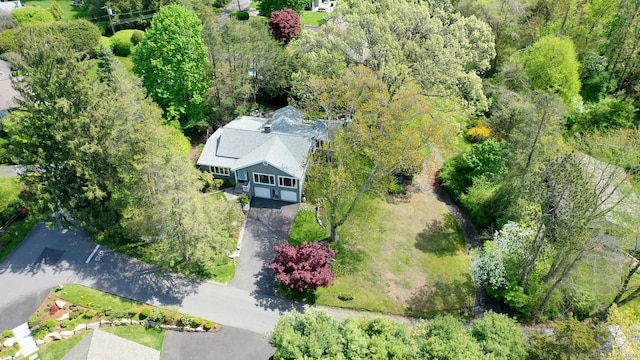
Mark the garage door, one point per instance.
(262, 192)
(291, 196)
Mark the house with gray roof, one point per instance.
(267, 157)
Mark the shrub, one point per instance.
(243, 200)
(53, 309)
(32, 15)
(121, 42)
(156, 315)
(7, 333)
(8, 41)
(197, 321)
(35, 320)
(133, 311)
(284, 25)
(207, 181)
(51, 324)
(144, 313)
(65, 324)
(208, 325)
(6, 21)
(170, 316)
(137, 36)
(240, 15)
(303, 268)
(90, 314)
(56, 10)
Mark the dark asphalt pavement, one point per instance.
(229, 343)
(268, 224)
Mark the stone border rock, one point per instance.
(60, 335)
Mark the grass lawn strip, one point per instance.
(69, 12)
(58, 349)
(313, 18)
(149, 337)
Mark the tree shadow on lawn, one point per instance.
(440, 238)
(431, 300)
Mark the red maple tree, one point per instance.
(284, 25)
(303, 268)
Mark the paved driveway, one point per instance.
(268, 224)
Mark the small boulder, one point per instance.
(93, 325)
(8, 342)
(53, 336)
(135, 322)
(60, 304)
(40, 342)
(66, 334)
(80, 327)
(63, 317)
(200, 330)
(187, 329)
(125, 322)
(105, 322)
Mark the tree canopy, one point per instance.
(172, 62)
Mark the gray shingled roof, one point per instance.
(243, 142)
(101, 345)
(287, 153)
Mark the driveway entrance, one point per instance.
(268, 224)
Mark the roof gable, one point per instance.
(101, 345)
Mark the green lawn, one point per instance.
(401, 258)
(312, 18)
(127, 62)
(58, 349)
(70, 12)
(149, 337)
(9, 191)
(305, 227)
(85, 296)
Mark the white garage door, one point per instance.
(262, 192)
(291, 196)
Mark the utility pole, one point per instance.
(110, 14)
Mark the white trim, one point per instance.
(256, 179)
(294, 181)
(246, 166)
(220, 170)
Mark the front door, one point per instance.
(241, 175)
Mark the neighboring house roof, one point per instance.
(244, 142)
(615, 191)
(7, 93)
(101, 345)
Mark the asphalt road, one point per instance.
(47, 257)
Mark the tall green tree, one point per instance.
(571, 340)
(172, 62)
(553, 66)
(382, 139)
(62, 134)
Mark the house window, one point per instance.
(220, 170)
(287, 182)
(264, 179)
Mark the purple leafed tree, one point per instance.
(305, 267)
(284, 25)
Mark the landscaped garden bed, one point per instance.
(71, 309)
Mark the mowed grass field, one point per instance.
(404, 257)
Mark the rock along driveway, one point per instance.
(47, 257)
